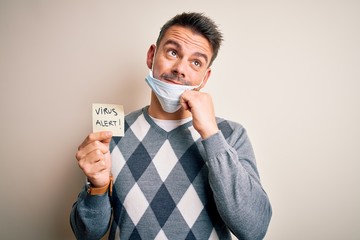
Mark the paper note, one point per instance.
(108, 117)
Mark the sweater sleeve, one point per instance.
(90, 216)
(241, 201)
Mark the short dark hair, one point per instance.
(199, 23)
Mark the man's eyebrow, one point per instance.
(198, 54)
(170, 41)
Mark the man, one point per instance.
(179, 172)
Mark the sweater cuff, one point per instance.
(94, 201)
(215, 145)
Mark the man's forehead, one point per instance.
(188, 37)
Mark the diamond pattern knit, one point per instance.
(161, 183)
(174, 185)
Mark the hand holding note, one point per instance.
(93, 154)
(94, 158)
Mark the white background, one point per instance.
(288, 71)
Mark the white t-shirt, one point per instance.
(169, 125)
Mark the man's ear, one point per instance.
(150, 56)
(206, 78)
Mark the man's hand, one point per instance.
(94, 158)
(202, 109)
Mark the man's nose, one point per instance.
(179, 68)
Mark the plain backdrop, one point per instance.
(289, 71)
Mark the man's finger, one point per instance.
(104, 137)
(185, 100)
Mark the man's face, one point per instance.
(182, 57)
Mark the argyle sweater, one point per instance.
(174, 185)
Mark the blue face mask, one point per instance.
(167, 93)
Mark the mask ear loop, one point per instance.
(199, 85)
(153, 62)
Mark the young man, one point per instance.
(179, 172)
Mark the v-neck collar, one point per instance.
(149, 119)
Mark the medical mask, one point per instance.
(167, 93)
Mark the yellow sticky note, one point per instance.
(108, 117)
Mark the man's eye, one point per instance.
(197, 63)
(172, 53)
